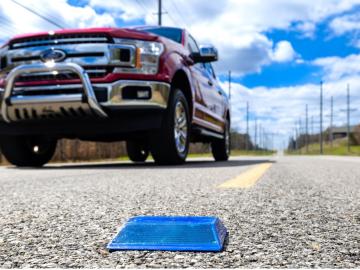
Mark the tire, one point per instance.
(221, 148)
(23, 151)
(137, 151)
(170, 144)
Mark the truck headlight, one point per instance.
(146, 57)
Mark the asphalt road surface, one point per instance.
(294, 212)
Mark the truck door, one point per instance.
(218, 96)
(204, 91)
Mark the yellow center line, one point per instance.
(248, 178)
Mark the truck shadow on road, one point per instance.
(151, 165)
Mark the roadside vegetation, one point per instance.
(338, 148)
(80, 151)
(310, 144)
(235, 153)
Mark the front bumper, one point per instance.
(76, 100)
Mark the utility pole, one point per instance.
(307, 128)
(261, 137)
(348, 111)
(348, 116)
(312, 125)
(255, 134)
(296, 137)
(259, 131)
(160, 13)
(321, 118)
(331, 120)
(247, 127)
(300, 135)
(229, 84)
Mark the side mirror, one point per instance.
(207, 54)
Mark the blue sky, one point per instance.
(277, 50)
(322, 44)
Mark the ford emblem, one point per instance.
(52, 55)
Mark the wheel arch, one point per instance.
(181, 81)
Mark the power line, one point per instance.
(51, 15)
(6, 28)
(172, 18)
(178, 12)
(38, 14)
(161, 12)
(141, 5)
(348, 111)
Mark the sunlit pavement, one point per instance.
(279, 211)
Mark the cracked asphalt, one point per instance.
(303, 212)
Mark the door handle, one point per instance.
(210, 83)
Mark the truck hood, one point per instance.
(113, 32)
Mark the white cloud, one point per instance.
(348, 24)
(237, 28)
(279, 108)
(284, 52)
(345, 24)
(17, 20)
(284, 106)
(128, 10)
(336, 68)
(307, 29)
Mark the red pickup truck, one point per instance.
(152, 87)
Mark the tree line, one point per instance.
(76, 150)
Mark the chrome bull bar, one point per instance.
(88, 96)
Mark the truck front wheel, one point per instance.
(170, 144)
(23, 151)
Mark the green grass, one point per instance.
(234, 153)
(339, 148)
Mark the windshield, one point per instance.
(168, 32)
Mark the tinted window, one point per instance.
(192, 46)
(209, 68)
(174, 34)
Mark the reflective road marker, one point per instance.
(170, 233)
(248, 178)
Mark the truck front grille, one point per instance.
(60, 40)
(93, 72)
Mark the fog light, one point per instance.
(136, 92)
(143, 94)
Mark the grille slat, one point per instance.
(60, 39)
(68, 55)
(93, 72)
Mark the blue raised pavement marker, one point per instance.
(171, 234)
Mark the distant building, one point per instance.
(341, 132)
